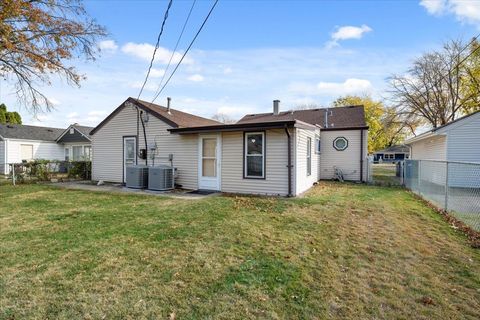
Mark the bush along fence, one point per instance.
(452, 186)
(48, 170)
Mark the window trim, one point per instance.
(264, 155)
(309, 156)
(338, 138)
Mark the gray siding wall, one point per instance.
(434, 148)
(348, 160)
(107, 145)
(2, 158)
(276, 174)
(73, 137)
(304, 182)
(463, 142)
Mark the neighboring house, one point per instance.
(392, 154)
(279, 153)
(20, 143)
(456, 141)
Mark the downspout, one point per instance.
(361, 155)
(289, 166)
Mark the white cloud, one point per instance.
(467, 11)
(98, 113)
(72, 115)
(157, 73)
(434, 7)
(346, 33)
(349, 86)
(149, 86)
(227, 70)
(145, 51)
(54, 101)
(196, 78)
(108, 45)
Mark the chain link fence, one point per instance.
(46, 170)
(452, 186)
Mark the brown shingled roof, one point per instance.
(175, 118)
(339, 117)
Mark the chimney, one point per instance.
(168, 105)
(276, 106)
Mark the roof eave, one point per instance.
(236, 127)
(345, 128)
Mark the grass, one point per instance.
(384, 174)
(344, 252)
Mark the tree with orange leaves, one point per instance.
(37, 39)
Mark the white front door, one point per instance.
(129, 153)
(209, 154)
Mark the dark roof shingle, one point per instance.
(180, 118)
(19, 131)
(339, 117)
(175, 118)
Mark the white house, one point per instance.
(458, 140)
(20, 143)
(278, 153)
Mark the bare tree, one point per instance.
(223, 118)
(432, 90)
(37, 37)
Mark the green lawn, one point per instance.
(344, 251)
(385, 174)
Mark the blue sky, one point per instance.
(252, 52)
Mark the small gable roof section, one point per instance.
(75, 133)
(174, 118)
(351, 117)
(25, 132)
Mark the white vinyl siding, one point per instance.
(303, 180)
(433, 148)
(276, 160)
(463, 142)
(107, 144)
(347, 160)
(41, 150)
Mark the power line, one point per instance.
(156, 48)
(186, 51)
(458, 64)
(176, 46)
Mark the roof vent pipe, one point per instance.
(276, 106)
(168, 105)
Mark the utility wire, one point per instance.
(186, 51)
(458, 64)
(156, 48)
(175, 49)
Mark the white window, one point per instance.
(309, 156)
(72, 131)
(77, 153)
(317, 144)
(340, 143)
(254, 155)
(67, 154)
(209, 157)
(389, 156)
(87, 151)
(26, 152)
